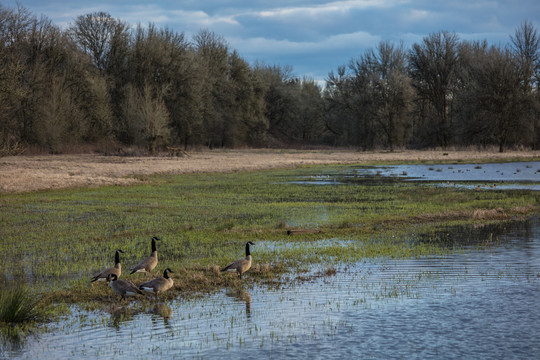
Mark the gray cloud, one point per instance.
(313, 36)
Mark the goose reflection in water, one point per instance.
(120, 314)
(162, 310)
(241, 295)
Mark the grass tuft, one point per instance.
(18, 305)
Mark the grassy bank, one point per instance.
(56, 240)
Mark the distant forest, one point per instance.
(103, 81)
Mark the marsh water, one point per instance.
(481, 301)
(496, 176)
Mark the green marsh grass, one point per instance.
(58, 239)
(20, 310)
(18, 305)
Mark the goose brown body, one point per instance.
(147, 264)
(158, 285)
(123, 287)
(242, 265)
(116, 269)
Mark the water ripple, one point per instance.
(477, 303)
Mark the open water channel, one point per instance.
(481, 302)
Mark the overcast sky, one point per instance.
(312, 36)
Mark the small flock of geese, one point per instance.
(158, 285)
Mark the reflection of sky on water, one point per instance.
(507, 172)
(501, 176)
(481, 302)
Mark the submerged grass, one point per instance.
(56, 240)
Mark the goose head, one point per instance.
(117, 256)
(166, 273)
(247, 248)
(154, 239)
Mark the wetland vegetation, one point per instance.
(309, 224)
(54, 241)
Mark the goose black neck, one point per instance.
(154, 245)
(117, 258)
(247, 250)
(166, 274)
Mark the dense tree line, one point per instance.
(442, 92)
(103, 81)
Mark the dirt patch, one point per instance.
(31, 173)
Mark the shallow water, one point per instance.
(501, 176)
(497, 172)
(481, 302)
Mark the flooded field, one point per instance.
(502, 176)
(495, 172)
(475, 298)
(480, 302)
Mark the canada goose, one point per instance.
(116, 269)
(122, 287)
(242, 265)
(158, 285)
(148, 264)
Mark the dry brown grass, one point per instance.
(490, 214)
(477, 214)
(523, 209)
(31, 173)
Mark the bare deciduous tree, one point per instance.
(148, 118)
(526, 49)
(432, 68)
(388, 92)
(97, 34)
